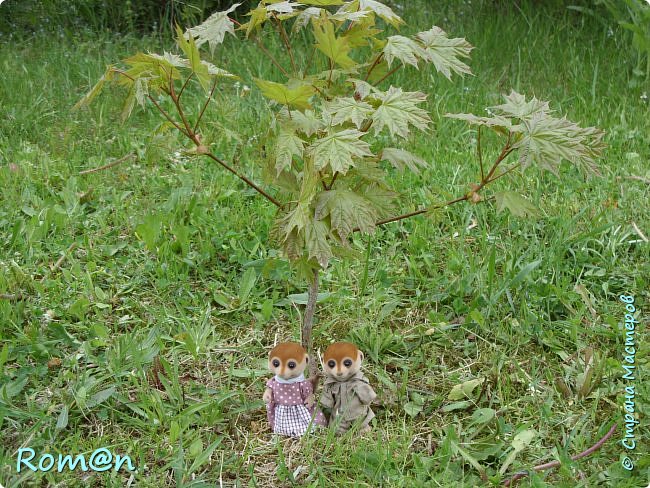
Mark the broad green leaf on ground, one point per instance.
(345, 109)
(519, 443)
(335, 48)
(445, 53)
(400, 159)
(548, 140)
(296, 97)
(214, 29)
(465, 389)
(347, 211)
(515, 203)
(381, 10)
(406, 50)
(338, 150)
(316, 234)
(287, 145)
(399, 110)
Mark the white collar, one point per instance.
(297, 379)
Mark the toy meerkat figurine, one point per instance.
(289, 397)
(346, 389)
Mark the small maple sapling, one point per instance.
(331, 99)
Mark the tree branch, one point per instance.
(285, 39)
(108, 166)
(480, 153)
(374, 65)
(391, 72)
(245, 179)
(180, 93)
(270, 56)
(485, 180)
(205, 105)
(553, 464)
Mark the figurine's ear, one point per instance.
(360, 356)
(306, 358)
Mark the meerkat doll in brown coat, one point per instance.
(346, 390)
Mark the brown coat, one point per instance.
(349, 400)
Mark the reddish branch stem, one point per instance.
(485, 180)
(553, 464)
(193, 136)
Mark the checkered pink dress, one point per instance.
(287, 413)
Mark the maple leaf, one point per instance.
(318, 247)
(406, 50)
(347, 211)
(214, 29)
(381, 10)
(258, 18)
(515, 203)
(517, 106)
(345, 109)
(296, 97)
(287, 145)
(335, 48)
(338, 150)
(548, 140)
(445, 53)
(398, 110)
(400, 158)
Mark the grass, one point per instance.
(149, 293)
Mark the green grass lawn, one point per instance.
(138, 303)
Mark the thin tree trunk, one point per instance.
(307, 325)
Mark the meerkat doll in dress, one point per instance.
(346, 390)
(289, 397)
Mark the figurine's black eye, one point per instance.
(291, 365)
(276, 363)
(331, 364)
(347, 363)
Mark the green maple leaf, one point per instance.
(258, 17)
(445, 53)
(406, 50)
(335, 48)
(400, 158)
(517, 106)
(347, 211)
(108, 76)
(297, 97)
(287, 145)
(515, 203)
(316, 233)
(338, 150)
(399, 110)
(214, 29)
(321, 3)
(378, 8)
(548, 140)
(191, 50)
(381, 197)
(345, 109)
